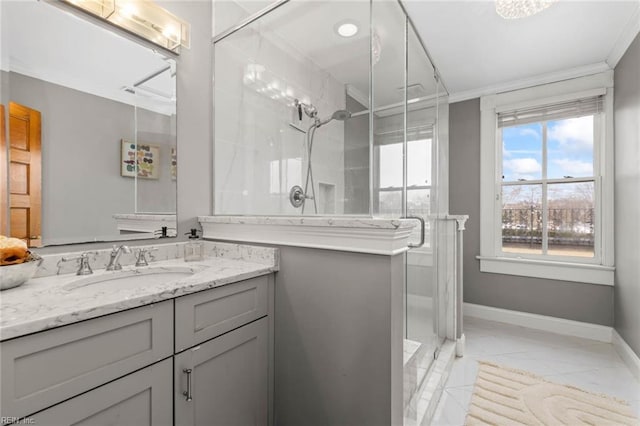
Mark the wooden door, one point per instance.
(228, 377)
(25, 174)
(4, 186)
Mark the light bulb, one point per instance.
(128, 10)
(346, 29)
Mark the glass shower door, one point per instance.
(421, 197)
(405, 177)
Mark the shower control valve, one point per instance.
(297, 196)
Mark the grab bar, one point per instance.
(422, 231)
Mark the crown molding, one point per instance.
(626, 37)
(552, 77)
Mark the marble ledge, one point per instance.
(50, 301)
(145, 223)
(165, 217)
(319, 221)
(380, 236)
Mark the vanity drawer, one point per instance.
(208, 314)
(48, 367)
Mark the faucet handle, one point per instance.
(84, 266)
(141, 255)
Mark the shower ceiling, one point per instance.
(308, 27)
(476, 50)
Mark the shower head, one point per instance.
(340, 115)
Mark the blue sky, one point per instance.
(569, 149)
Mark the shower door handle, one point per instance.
(422, 231)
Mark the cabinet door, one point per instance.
(43, 369)
(141, 398)
(228, 379)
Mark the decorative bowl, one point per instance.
(15, 275)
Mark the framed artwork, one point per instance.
(146, 159)
(174, 163)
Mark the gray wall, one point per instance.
(157, 195)
(356, 160)
(562, 299)
(195, 115)
(338, 338)
(81, 185)
(81, 156)
(627, 196)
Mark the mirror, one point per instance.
(90, 130)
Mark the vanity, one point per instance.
(110, 348)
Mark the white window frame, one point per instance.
(597, 270)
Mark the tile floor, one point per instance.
(588, 364)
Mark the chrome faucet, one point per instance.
(84, 267)
(114, 264)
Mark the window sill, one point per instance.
(552, 270)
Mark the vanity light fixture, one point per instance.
(346, 29)
(514, 9)
(143, 18)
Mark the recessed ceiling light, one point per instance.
(346, 28)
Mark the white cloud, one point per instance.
(529, 132)
(523, 166)
(574, 167)
(575, 134)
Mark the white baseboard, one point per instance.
(566, 327)
(627, 354)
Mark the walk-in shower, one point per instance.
(339, 124)
(298, 196)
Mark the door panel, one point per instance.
(25, 174)
(19, 221)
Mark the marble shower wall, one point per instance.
(258, 155)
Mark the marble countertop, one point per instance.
(52, 301)
(320, 221)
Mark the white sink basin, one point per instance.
(135, 278)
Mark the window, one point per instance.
(548, 189)
(388, 190)
(546, 179)
(418, 178)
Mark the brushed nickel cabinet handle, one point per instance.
(187, 393)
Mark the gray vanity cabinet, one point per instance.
(130, 368)
(224, 381)
(141, 399)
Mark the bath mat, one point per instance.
(506, 397)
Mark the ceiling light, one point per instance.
(347, 28)
(514, 9)
(143, 18)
